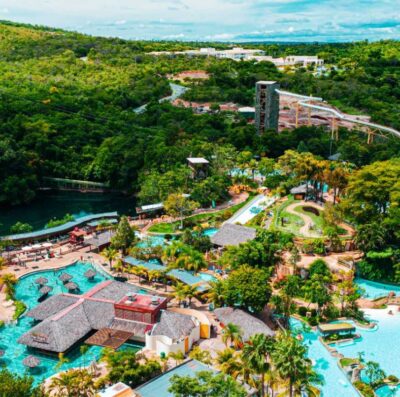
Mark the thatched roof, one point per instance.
(136, 328)
(45, 290)
(231, 234)
(174, 325)
(90, 273)
(65, 277)
(249, 324)
(41, 281)
(51, 306)
(114, 290)
(31, 361)
(302, 189)
(71, 286)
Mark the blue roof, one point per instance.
(60, 229)
(159, 386)
(182, 275)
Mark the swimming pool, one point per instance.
(388, 391)
(210, 232)
(27, 291)
(207, 277)
(374, 290)
(335, 381)
(380, 343)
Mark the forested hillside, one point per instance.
(67, 100)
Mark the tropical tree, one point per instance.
(190, 292)
(256, 354)
(110, 254)
(375, 373)
(12, 385)
(74, 382)
(216, 293)
(233, 334)
(290, 360)
(201, 355)
(180, 292)
(227, 361)
(124, 236)
(178, 356)
(178, 206)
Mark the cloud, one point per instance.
(225, 20)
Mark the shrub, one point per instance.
(313, 312)
(365, 389)
(331, 312)
(393, 379)
(313, 321)
(302, 311)
(20, 308)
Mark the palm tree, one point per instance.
(232, 333)
(290, 361)
(216, 293)
(154, 275)
(74, 382)
(178, 356)
(190, 292)
(179, 292)
(227, 362)
(110, 254)
(201, 355)
(140, 271)
(256, 353)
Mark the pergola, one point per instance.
(108, 337)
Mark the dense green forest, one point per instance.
(67, 103)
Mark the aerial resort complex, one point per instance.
(183, 216)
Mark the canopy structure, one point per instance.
(31, 362)
(90, 274)
(72, 286)
(335, 328)
(65, 277)
(45, 290)
(108, 337)
(41, 281)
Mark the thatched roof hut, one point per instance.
(65, 277)
(90, 274)
(41, 281)
(174, 325)
(72, 286)
(249, 324)
(31, 362)
(231, 234)
(45, 290)
(51, 306)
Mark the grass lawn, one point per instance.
(317, 220)
(170, 228)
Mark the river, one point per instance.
(55, 204)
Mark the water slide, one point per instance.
(305, 102)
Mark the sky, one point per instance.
(215, 20)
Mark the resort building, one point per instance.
(118, 390)
(300, 192)
(109, 315)
(232, 234)
(249, 324)
(198, 166)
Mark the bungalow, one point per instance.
(301, 192)
(109, 315)
(249, 324)
(232, 234)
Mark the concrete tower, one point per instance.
(267, 106)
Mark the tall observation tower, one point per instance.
(267, 106)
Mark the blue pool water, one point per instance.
(374, 290)
(207, 277)
(335, 381)
(27, 291)
(210, 232)
(152, 241)
(379, 344)
(388, 391)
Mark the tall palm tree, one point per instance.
(216, 293)
(227, 362)
(179, 292)
(74, 382)
(201, 355)
(256, 353)
(233, 334)
(154, 275)
(190, 292)
(290, 361)
(110, 254)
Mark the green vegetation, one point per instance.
(345, 362)
(20, 227)
(12, 385)
(20, 308)
(58, 222)
(365, 389)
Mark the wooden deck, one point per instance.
(107, 337)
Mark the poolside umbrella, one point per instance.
(65, 277)
(90, 273)
(45, 290)
(71, 286)
(41, 281)
(31, 362)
